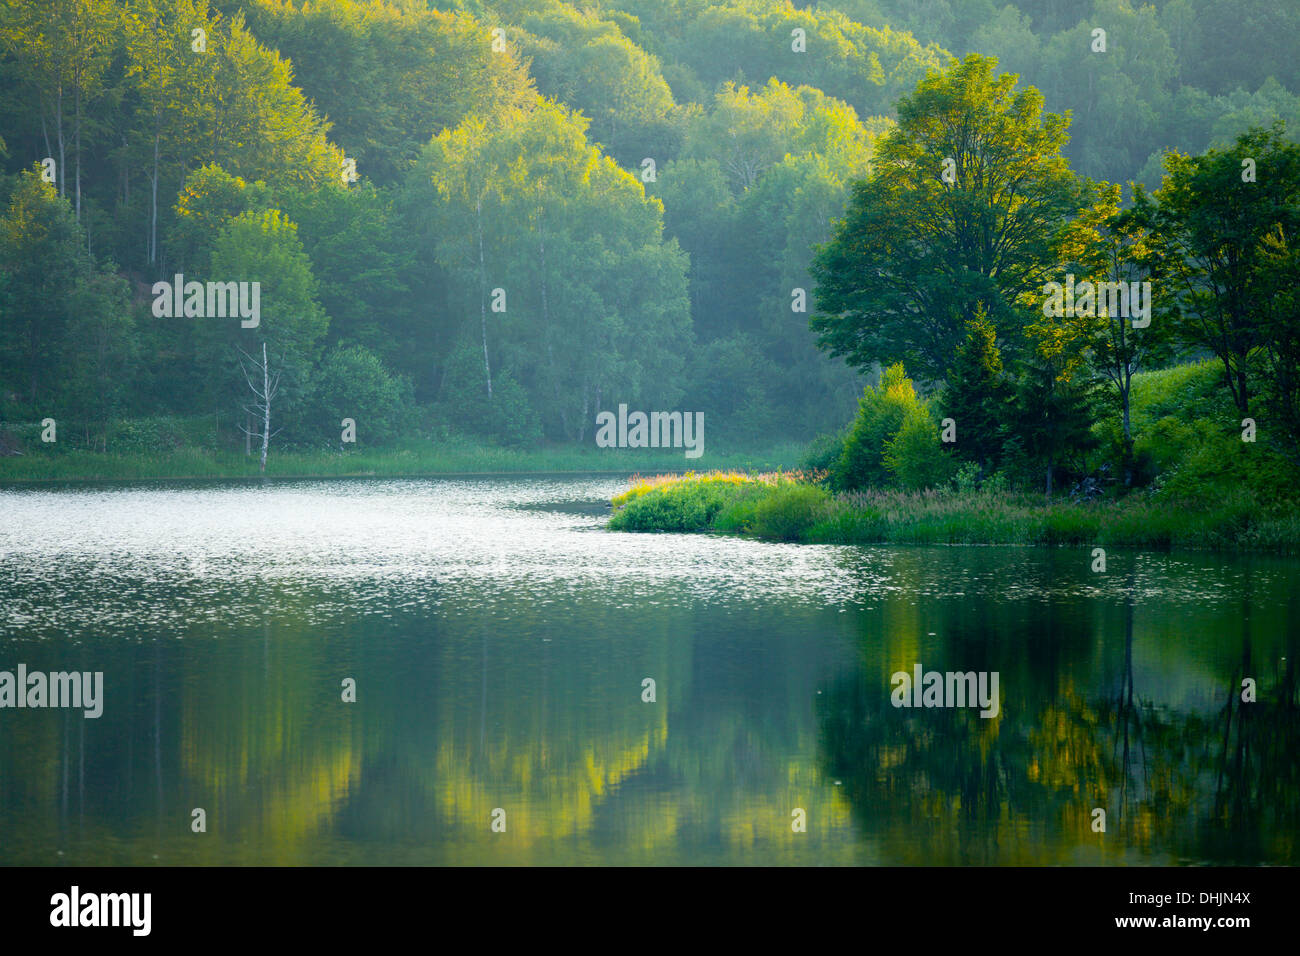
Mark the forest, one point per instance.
(490, 222)
(344, 344)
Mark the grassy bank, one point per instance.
(445, 458)
(789, 507)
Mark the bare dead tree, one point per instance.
(263, 396)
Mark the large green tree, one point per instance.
(918, 252)
(1108, 248)
(1206, 224)
(263, 247)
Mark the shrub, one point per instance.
(914, 457)
(684, 506)
(787, 511)
(780, 506)
(353, 383)
(881, 410)
(966, 478)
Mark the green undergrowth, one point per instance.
(791, 507)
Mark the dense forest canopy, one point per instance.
(500, 218)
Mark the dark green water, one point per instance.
(499, 637)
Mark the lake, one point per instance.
(500, 643)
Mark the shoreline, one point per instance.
(94, 479)
(80, 466)
(790, 508)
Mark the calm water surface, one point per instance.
(499, 639)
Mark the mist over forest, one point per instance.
(492, 221)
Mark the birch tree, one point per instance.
(264, 387)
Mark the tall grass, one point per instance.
(784, 507)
